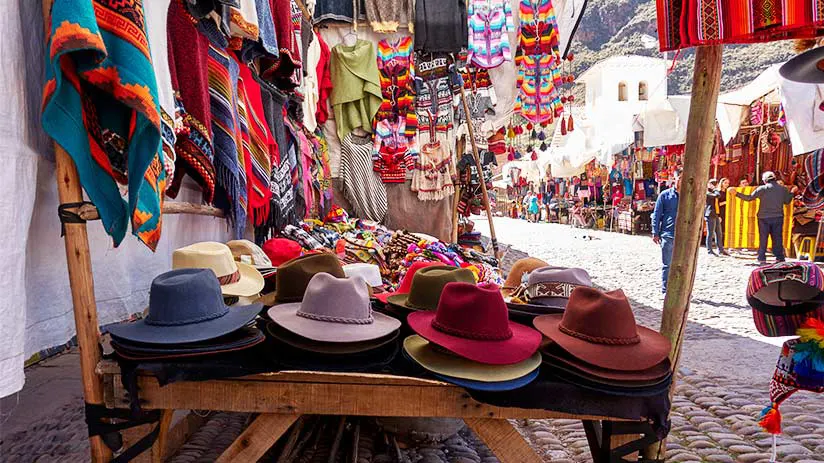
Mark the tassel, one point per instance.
(812, 330)
(541, 136)
(534, 156)
(529, 148)
(771, 419)
(510, 156)
(570, 124)
(563, 126)
(533, 135)
(543, 146)
(510, 133)
(529, 126)
(518, 155)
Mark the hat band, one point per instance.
(484, 336)
(600, 339)
(230, 278)
(333, 319)
(550, 289)
(188, 321)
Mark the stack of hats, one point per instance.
(370, 273)
(469, 340)
(596, 344)
(293, 276)
(249, 253)
(406, 281)
(240, 282)
(519, 273)
(546, 291)
(331, 327)
(187, 317)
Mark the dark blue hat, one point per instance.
(186, 305)
(494, 386)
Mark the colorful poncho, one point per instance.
(100, 104)
(356, 95)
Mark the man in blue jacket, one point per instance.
(663, 224)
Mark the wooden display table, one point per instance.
(281, 398)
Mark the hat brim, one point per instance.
(651, 376)
(250, 283)
(384, 296)
(649, 351)
(491, 387)
(423, 353)
(334, 348)
(521, 346)
(139, 331)
(402, 300)
(286, 316)
(804, 67)
(247, 337)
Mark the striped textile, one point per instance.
(814, 166)
(490, 22)
(537, 29)
(741, 224)
(397, 75)
(362, 187)
(689, 23)
(538, 99)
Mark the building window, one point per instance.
(622, 91)
(642, 91)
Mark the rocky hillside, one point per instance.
(615, 27)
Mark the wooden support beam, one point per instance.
(89, 211)
(257, 438)
(698, 150)
(504, 440)
(159, 447)
(814, 250)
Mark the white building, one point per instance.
(625, 82)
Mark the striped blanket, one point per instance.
(741, 225)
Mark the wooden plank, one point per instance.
(89, 211)
(159, 447)
(504, 440)
(257, 438)
(322, 399)
(133, 435)
(180, 431)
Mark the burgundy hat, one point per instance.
(472, 321)
(599, 328)
(554, 355)
(406, 282)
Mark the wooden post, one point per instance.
(81, 281)
(814, 250)
(705, 85)
(481, 178)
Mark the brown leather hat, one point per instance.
(516, 274)
(293, 276)
(599, 328)
(427, 286)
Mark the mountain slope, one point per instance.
(615, 27)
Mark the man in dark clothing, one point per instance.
(663, 225)
(712, 219)
(773, 196)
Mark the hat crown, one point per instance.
(428, 284)
(369, 272)
(406, 282)
(294, 276)
(209, 255)
(185, 296)
(554, 285)
(281, 250)
(337, 300)
(473, 311)
(245, 248)
(600, 317)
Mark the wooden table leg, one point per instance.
(257, 438)
(504, 440)
(159, 447)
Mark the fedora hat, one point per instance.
(807, 68)
(236, 278)
(185, 305)
(370, 273)
(472, 321)
(427, 285)
(281, 250)
(548, 289)
(599, 328)
(406, 282)
(440, 362)
(491, 387)
(334, 310)
(555, 356)
(332, 348)
(249, 253)
(520, 269)
(784, 295)
(243, 338)
(293, 277)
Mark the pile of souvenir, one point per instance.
(787, 299)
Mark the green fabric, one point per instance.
(356, 90)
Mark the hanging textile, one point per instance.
(435, 173)
(156, 15)
(741, 224)
(490, 22)
(538, 100)
(280, 70)
(362, 187)
(385, 16)
(100, 103)
(436, 80)
(690, 23)
(440, 26)
(397, 73)
(356, 94)
(537, 29)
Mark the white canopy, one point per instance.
(665, 123)
(732, 106)
(805, 121)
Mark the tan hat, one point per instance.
(249, 253)
(236, 278)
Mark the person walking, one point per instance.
(773, 196)
(712, 219)
(663, 225)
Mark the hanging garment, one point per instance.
(243, 20)
(156, 14)
(393, 152)
(311, 85)
(480, 106)
(324, 76)
(490, 22)
(435, 173)
(396, 68)
(386, 15)
(100, 104)
(538, 99)
(362, 186)
(435, 82)
(537, 29)
(477, 80)
(267, 42)
(321, 172)
(356, 92)
(280, 70)
(440, 26)
(334, 10)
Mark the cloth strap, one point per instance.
(95, 414)
(479, 335)
(230, 278)
(550, 289)
(334, 319)
(600, 339)
(68, 216)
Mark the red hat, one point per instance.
(599, 328)
(472, 322)
(280, 250)
(406, 282)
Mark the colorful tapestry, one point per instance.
(100, 104)
(741, 224)
(689, 23)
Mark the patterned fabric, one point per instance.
(386, 15)
(435, 173)
(490, 22)
(683, 23)
(782, 318)
(259, 148)
(397, 74)
(477, 80)
(280, 70)
(813, 197)
(100, 104)
(393, 153)
(156, 14)
(741, 229)
(362, 187)
(537, 29)
(435, 83)
(538, 100)
(800, 367)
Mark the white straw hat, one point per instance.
(236, 278)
